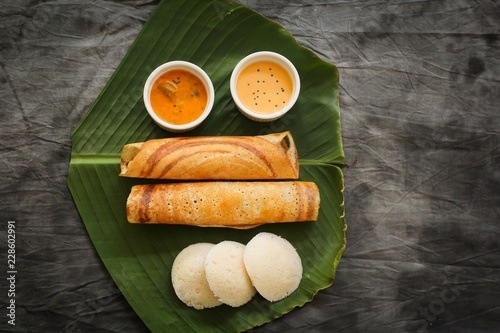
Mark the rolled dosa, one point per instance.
(237, 204)
(272, 156)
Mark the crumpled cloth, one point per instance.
(419, 97)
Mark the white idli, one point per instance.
(226, 274)
(274, 266)
(188, 277)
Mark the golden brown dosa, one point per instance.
(241, 205)
(272, 156)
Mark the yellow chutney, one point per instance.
(264, 87)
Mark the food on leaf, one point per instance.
(226, 274)
(235, 204)
(188, 277)
(272, 156)
(274, 266)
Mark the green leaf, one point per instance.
(214, 35)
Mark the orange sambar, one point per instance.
(178, 97)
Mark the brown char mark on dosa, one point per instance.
(145, 201)
(298, 191)
(164, 149)
(168, 167)
(312, 202)
(170, 147)
(306, 196)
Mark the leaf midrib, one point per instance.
(95, 159)
(116, 159)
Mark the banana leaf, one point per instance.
(215, 35)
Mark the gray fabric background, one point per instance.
(419, 96)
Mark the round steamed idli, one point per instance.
(226, 274)
(188, 277)
(274, 266)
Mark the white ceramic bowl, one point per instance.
(265, 56)
(187, 66)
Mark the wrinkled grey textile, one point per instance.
(420, 123)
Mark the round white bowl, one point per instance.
(265, 56)
(187, 66)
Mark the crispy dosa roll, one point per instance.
(272, 156)
(241, 205)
